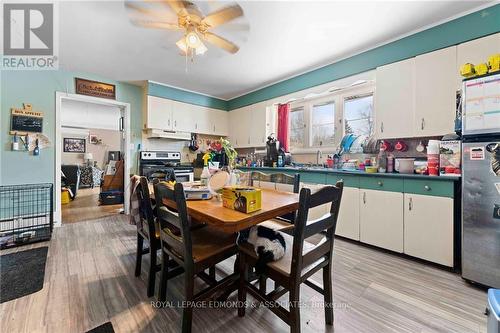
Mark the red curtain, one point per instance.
(283, 124)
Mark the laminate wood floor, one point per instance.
(86, 207)
(90, 280)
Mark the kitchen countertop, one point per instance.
(354, 173)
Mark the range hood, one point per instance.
(162, 134)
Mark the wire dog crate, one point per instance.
(26, 214)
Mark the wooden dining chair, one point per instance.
(301, 260)
(280, 182)
(147, 230)
(195, 250)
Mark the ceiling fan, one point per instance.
(189, 19)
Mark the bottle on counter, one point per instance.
(205, 174)
(382, 159)
(390, 163)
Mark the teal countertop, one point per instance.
(353, 173)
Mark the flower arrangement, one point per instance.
(223, 146)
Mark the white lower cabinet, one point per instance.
(428, 228)
(348, 219)
(381, 219)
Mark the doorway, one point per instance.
(91, 134)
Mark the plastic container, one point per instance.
(433, 157)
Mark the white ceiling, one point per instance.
(286, 38)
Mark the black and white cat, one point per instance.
(269, 244)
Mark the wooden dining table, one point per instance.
(212, 212)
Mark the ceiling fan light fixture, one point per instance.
(181, 44)
(201, 49)
(192, 39)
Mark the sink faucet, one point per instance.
(319, 155)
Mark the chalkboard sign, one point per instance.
(25, 120)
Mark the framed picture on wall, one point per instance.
(94, 139)
(74, 145)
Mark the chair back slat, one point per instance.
(305, 229)
(315, 254)
(176, 240)
(146, 213)
(316, 226)
(166, 215)
(265, 180)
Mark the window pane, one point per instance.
(323, 135)
(323, 125)
(358, 114)
(323, 114)
(297, 130)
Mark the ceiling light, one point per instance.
(181, 44)
(192, 40)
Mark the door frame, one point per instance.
(125, 110)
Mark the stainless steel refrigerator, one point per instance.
(481, 180)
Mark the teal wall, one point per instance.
(180, 95)
(39, 88)
(465, 28)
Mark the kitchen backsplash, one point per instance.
(310, 158)
(177, 145)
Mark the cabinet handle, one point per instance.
(427, 188)
(175, 123)
(196, 125)
(380, 183)
(382, 127)
(410, 204)
(168, 122)
(214, 128)
(364, 197)
(423, 123)
(248, 140)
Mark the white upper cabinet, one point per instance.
(182, 116)
(475, 52)
(395, 100)
(250, 126)
(435, 92)
(169, 115)
(158, 113)
(239, 129)
(259, 125)
(219, 121)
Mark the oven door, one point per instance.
(184, 177)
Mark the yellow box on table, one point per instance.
(243, 199)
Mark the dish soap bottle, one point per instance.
(205, 174)
(382, 159)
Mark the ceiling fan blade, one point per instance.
(156, 24)
(220, 42)
(142, 10)
(222, 16)
(178, 6)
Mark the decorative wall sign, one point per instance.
(94, 88)
(25, 120)
(74, 145)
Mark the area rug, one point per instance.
(22, 273)
(104, 328)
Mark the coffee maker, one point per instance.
(272, 151)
